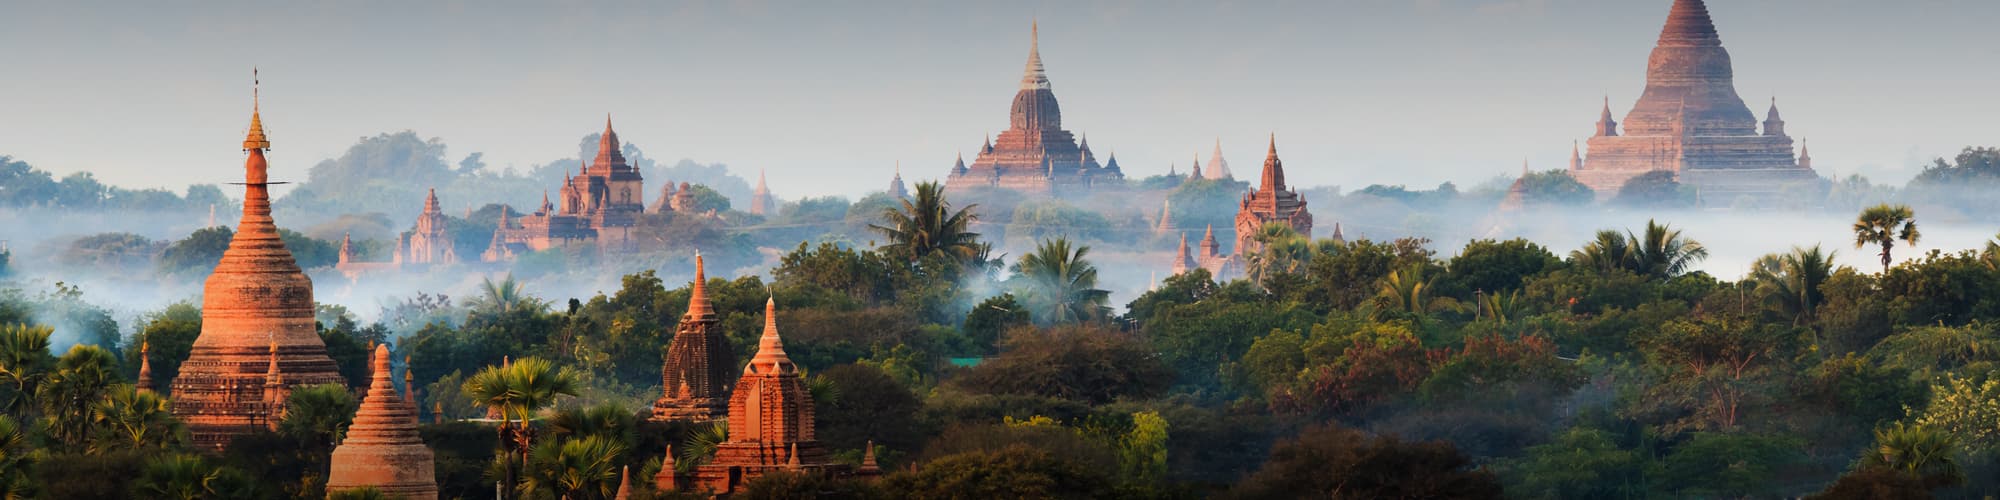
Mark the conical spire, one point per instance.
(1035, 77)
(1274, 170)
(762, 187)
(1773, 124)
(1196, 169)
(1606, 126)
(145, 367)
(382, 449)
(607, 145)
(255, 139)
(431, 202)
(1688, 24)
(699, 308)
(1166, 217)
(1217, 167)
(1337, 236)
(771, 357)
(1575, 156)
(1805, 155)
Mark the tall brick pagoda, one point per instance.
(1034, 155)
(1691, 122)
(600, 203)
(1271, 202)
(770, 421)
(382, 449)
(699, 363)
(256, 326)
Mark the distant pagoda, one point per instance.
(601, 203)
(382, 449)
(695, 377)
(1691, 122)
(1271, 202)
(257, 323)
(1034, 154)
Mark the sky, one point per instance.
(829, 96)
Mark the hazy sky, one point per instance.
(829, 95)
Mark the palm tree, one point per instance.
(81, 377)
(1663, 252)
(577, 469)
(504, 296)
(1407, 291)
(15, 459)
(1792, 280)
(1281, 250)
(1992, 253)
(131, 419)
(516, 392)
(1608, 252)
(188, 477)
(1503, 307)
(1059, 285)
(318, 413)
(609, 420)
(926, 224)
(1882, 225)
(24, 361)
(1926, 453)
(701, 445)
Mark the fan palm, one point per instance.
(1663, 252)
(1926, 453)
(24, 361)
(701, 445)
(15, 458)
(504, 296)
(609, 420)
(516, 392)
(1791, 280)
(318, 413)
(1407, 291)
(188, 477)
(1059, 286)
(81, 377)
(131, 419)
(1882, 225)
(1608, 252)
(1281, 250)
(576, 469)
(926, 224)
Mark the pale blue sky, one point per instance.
(829, 95)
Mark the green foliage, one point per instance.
(1555, 188)
(1057, 285)
(520, 389)
(1729, 464)
(1143, 451)
(114, 253)
(1043, 220)
(196, 254)
(1660, 252)
(1206, 202)
(1655, 190)
(926, 224)
(1919, 451)
(1580, 463)
(1080, 363)
(318, 413)
(1790, 282)
(1493, 266)
(189, 477)
(168, 336)
(580, 468)
(24, 362)
(993, 317)
(872, 407)
(130, 419)
(798, 485)
(1965, 409)
(1017, 471)
(1336, 462)
(1711, 372)
(17, 460)
(706, 199)
(81, 377)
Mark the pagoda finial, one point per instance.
(1035, 77)
(1274, 170)
(145, 367)
(256, 138)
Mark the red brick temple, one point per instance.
(256, 323)
(1271, 202)
(770, 421)
(1034, 155)
(382, 449)
(1690, 121)
(699, 363)
(599, 204)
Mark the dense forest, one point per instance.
(1350, 369)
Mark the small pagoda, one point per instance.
(382, 449)
(699, 362)
(770, 421)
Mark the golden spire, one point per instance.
(255, 139)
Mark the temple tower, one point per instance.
(694, 379)
(901, 192)
(382, 449)
(1271, 202)
(1690, 121)
(770, 420)
(1034, 155)
(760, 200)
(430, 243)
(1218, 169)
(257, 313)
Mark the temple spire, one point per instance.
(255, 139)
(145, 367)
(698, 305)
(1274, 170)
(1773, 124)
(1805, 154)
(770, 349)
(1575, 156)
(1688, 24)
(1034, 77)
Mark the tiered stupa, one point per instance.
(699, 363)
(770, 421)
(1218, 168)
(1034, 154)
(382, 449)
(257, 318)
(1690, 121)
(760, 199)
(1271, 202)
